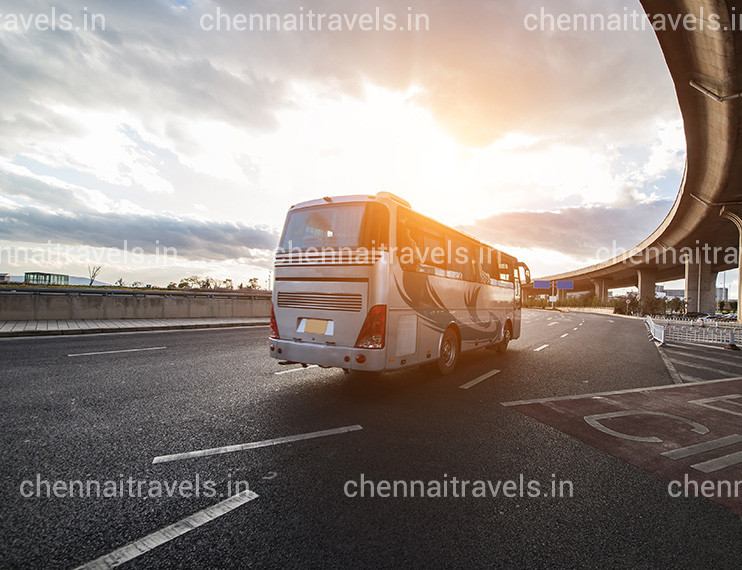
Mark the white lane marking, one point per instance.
(683, 452)
(254, 444)
(682, 353)
(295, 369)
(574, 329)
(479, 379)
(565, 334)
(554, 323)
(700, 367)
(540, 348)
(669, 365)
(160, 537)
(615, 392)
(611, 321)
(582, 324)
(119, 351)
(719, 463)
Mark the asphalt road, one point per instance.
(68, 415)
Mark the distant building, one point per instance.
(4, 277)
(46, 279)
(722, 293)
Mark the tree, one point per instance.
(621, 307)
(676, 305)
(653, 306)
(137, 284)
(252, 283)
(93, 271)
(172, 285)
(120, 282)
(189, 282)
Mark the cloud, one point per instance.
(192, 239)
(582, 232)
(480, 71)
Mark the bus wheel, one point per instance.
(449, 352)
(507, 336)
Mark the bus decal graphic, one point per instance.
(418, 293)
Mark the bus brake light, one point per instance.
(373, 329)
(274, 325)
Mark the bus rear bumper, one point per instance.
(330, 356)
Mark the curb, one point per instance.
(17, 334)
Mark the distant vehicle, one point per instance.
(693, 315)
(366, 283)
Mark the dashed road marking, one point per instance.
(152, 541)
(479, 379)
(540, 348)
(118, 351)
(554, 323)
(574, 329)
(295, 369)
(565, 334)
(254, 444)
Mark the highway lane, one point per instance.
(107, 416)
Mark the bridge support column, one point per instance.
(647, 283)
(601, 291)
(700, 287)
(736, 218)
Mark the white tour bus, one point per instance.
(366, 283)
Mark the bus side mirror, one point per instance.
(526, 271)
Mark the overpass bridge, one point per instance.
(701, 234)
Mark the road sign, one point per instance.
(553, 299)
(541, 284)
(566, 285)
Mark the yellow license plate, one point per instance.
(315, 326)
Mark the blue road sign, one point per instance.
(541, 284)
(568, 285)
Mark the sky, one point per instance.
(163, 139)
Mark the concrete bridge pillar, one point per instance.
(700, 287)
(647, 283)
(601, 290)
(736, 218)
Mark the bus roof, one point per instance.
(388, 196)
(381, 196)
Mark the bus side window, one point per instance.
(484, 265)
(462, 262)
(408, 238)
(489, 264)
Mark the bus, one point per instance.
(366, 283)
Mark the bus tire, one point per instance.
(507, 336)
(450, 349)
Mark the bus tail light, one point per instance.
(373, 329)
(274, 325)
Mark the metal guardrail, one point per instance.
(697, 332)
(657, 331)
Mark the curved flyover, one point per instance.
(706, 67)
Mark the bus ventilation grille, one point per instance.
(321, 301)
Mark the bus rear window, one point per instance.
(336, 226)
